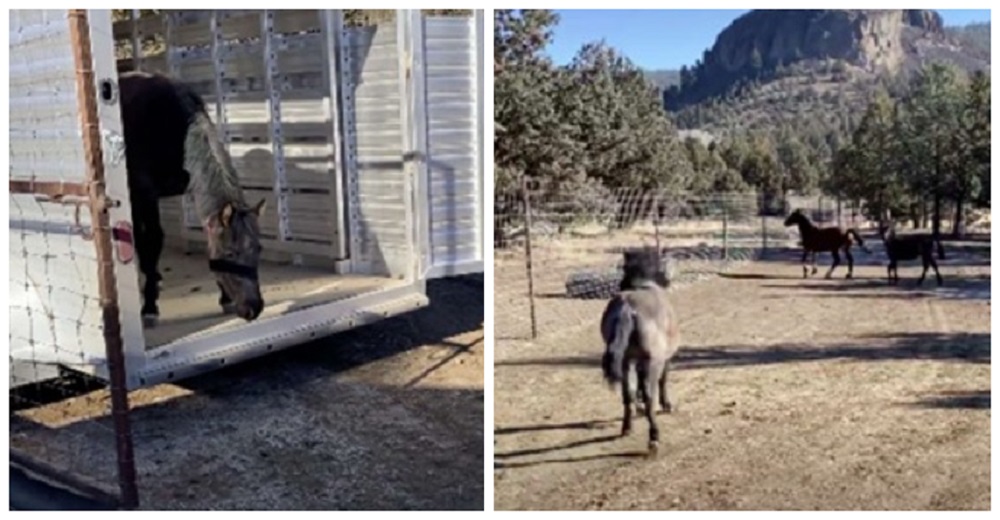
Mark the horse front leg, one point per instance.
(149, 245)
(850, 262)
(937, 273)
(836, 262)
(805, 263)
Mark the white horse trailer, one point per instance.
(367, 143)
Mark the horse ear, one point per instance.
(226, 215)
(259, 208)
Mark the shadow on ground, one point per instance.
(285, 431)
(966, 287)
(975, 400)
(953, 347)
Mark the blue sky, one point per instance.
(667, 39)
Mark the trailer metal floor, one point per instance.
(189, 296)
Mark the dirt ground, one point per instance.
(389, 416)
(790, 394)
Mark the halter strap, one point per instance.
(229, 267)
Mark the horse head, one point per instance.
(234, 254)
(886, 225)
(796, 218)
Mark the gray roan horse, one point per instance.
(640, 328)
(908, 247)
(172, 147)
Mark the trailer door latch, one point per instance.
(121, 234)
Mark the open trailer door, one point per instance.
(68, 200)
(448, 103)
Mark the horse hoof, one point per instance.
(626, 431)
(150, 320)
(667, 408)
(654, 449)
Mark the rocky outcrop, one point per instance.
(760, 42)
(870, 38)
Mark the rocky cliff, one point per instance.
(761, 43)
(864, 38)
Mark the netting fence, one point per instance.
(558, 255)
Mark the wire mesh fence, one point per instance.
(558, 256)
(56, 343)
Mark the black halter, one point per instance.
(229, 267)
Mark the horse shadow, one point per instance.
(967, 400)
(960, 347)
(501, 462)
(965, 287)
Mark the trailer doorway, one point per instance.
(294, 95)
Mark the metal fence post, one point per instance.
(656, 221)
(526, 198)
(79, 27)
(725, 229)
(763, 233)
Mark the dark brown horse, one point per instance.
(824, 239)
(909, 247)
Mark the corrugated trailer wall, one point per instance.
(452, 98)
(383, 236)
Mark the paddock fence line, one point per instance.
(558, 254)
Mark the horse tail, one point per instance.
(857, 238)
(614, 355)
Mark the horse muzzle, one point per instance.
(251, 310)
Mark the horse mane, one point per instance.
(214, 180)
(804, 223)
(642, 268)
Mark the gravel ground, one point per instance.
(389, 416)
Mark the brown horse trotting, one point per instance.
(824, 239)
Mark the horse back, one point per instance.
(910, 247)
(156, 113)
(826, 239)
